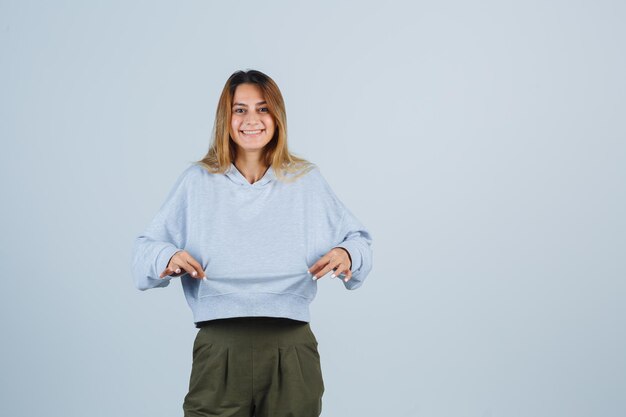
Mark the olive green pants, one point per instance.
(255, 366)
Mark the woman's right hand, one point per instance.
(182, 262)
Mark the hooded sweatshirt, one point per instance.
(255, 242)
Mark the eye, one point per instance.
(235, 111)
(265, 108)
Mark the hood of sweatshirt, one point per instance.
(238, 178)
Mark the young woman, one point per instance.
(250, 229)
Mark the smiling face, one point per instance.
(251, 125)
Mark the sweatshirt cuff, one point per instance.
(163, 259)
(355, 254)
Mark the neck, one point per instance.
(250, 167)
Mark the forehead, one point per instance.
(250, 93)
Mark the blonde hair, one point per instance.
(222, 151)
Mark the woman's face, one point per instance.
(251, 124)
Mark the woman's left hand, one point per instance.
(337, 259)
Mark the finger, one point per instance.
(191, 266)
(198, 271)
(189, 269)
(348, 276)
(170, 270)
(176, 269)
(172, 267)
(321, 264)
(318, 265)
(179, 264)
(342, 269)
(165, 272)
(327, 268)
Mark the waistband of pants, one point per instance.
(256, 331)
(250, 320)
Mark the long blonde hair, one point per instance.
(222, 151)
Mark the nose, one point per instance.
(251, 120)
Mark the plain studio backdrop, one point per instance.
(482, 143)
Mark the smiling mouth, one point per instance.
(252, 132)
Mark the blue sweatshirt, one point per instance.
(255, 242)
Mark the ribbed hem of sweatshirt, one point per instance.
(252, 304)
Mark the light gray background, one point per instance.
(482, 143)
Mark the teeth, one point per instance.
(251, 132)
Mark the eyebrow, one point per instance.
(245, 105)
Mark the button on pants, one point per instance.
(255, 367)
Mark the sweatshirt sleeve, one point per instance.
(351, 235)
(357, 240)
(163, 237)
